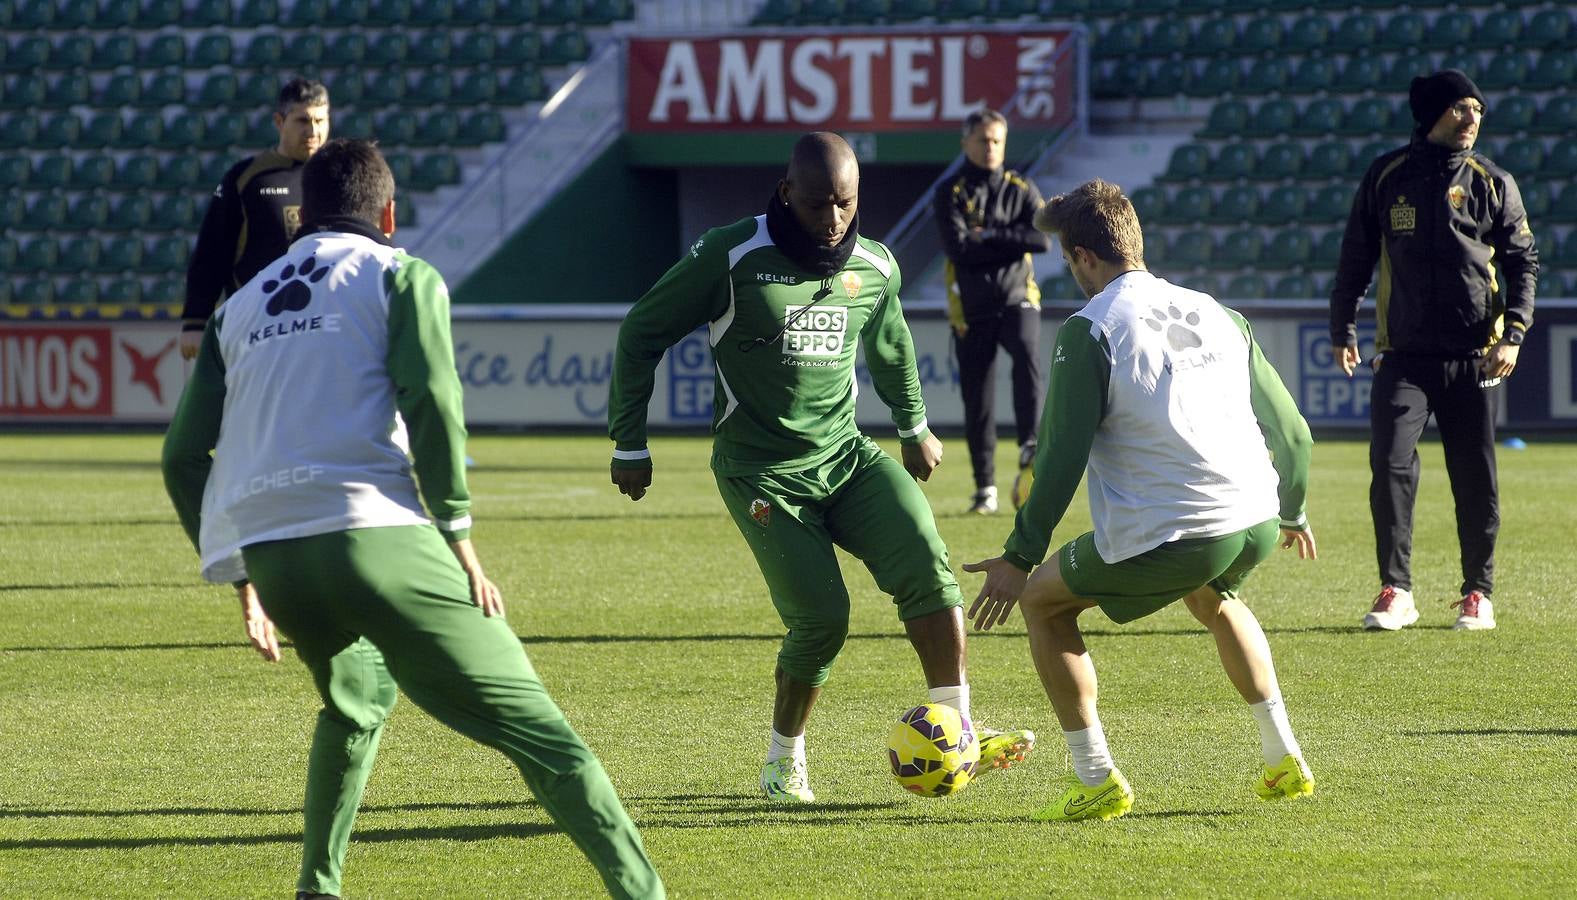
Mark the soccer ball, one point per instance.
(1021, 485)
(931, 752)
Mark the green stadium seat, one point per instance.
(385, 88)
(164, 51)
(304, 51)
(439, 128)
(266, 51)
(1190, 248)
(1061, 287)
(1327, 249)
(72, 14)
(79, 254)
(212, 51)
(1283, 159)
(74, 51)
(1554, 70)
(87, 212)
(1550, 28)
(182, 132)
(207, 14)
(1558, 116)
(96, 171)
(1401, 122)
(1403, 31)
(141, 130)
(1563, 253)
(1150, 204)
(163, 89)
(132, 213)
(1240, 248)
(1262, 34)
(1247, 287)
(53, 172)
(349, 49)
(436, 170)
(431, 12)
(1320, 117)
(1521, 157)
(166, 255)
(1362, 72)
(13, 212)
(25, 91)
(1371, 115)
(1123, 78)
(1269, 74)
(475, 48)
(522, 86)
(257, 13)
(1369, 152)
(1331, 204)
(20, 130)
(69, 89)
(120, 91)
(1500, 28)
(15, 172)
(1168, 36)
(1356, 33)
(1294, 287)
(389, 49)
(213, 168)
(1288, 248)
(308, 13)
(1284, 205)
(222, 130)
(356, 124)
(1514, 113)
(1537, 198)
(177, 212)
(27, 55)
(568, 45)
(1219, 76)
(1407, 65)
(1203, 282)
(260, 90)
(1187, 161)
(397, 128)
(1275, 116)
(33, 16)
(563, 12)
(1232, 161)
(1561, 161)
(1451, 29)
(1123, 37)
(1228, 118)
(1191, 205)
(218, 90)
(8, 254)
(180, 172)
(113, 51)
(431, 48)
(1505, 70)
(343, 13)
(35, 292)
(123, 291)
(61, 130)
(170, 289)
(482, 127)
(401, 165)
(117, 14)
(1563, 208)
(158, 13)
(475, 88)
(102, 131)
(1314, 74)
(1309, 34)
(389, 12)
(40, 254)
(432, 88)
(1238, 204)
(519, 48)
(474, 12)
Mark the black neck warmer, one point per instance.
(1434, 154)
(815, 258)
(346, 224)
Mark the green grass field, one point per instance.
(147, 751)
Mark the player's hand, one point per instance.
(484, 593)
(1500, 361)
(921, 459)
(259, 627)
(1302, 538)
(1348, 360)
(1004, 585)
(190, 342)
(632, 482)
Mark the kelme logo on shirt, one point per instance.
(295, 293)
(815, 330)
(1179, 336)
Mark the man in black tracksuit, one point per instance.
(1440, 220)
(255, 210)
(987, 216)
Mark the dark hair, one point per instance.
(303, 92)
(347, 177)
(1097, 216)
(982, 116)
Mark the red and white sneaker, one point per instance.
(1393, 610)
(1478, 614)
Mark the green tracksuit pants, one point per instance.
(373, 609)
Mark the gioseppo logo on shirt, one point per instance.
(291, 291)
(815, 330)
(1404, 216)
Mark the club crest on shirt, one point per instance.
(761, 511)
(1404, 216)
(851, 284)
(292, 220)
(1457, 195)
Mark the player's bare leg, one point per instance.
(786, 776)
(938, 639)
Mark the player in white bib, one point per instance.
(1197, 458)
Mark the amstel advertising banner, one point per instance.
(850, 80)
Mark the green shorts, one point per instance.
(1143, 584)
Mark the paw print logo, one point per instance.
(296, 293)
(1178, 335)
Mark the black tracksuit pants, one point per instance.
(1015, 329)
(1407, 390)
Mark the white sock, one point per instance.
(1092, 762)
(954, 695)
(780, 746)
(1275, 732)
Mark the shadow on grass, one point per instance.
(124, 648)
(1495, 732)
(1182, 814)
(28, 812)
(361, 835)
(100, 586)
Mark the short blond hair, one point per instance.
(1097, 216)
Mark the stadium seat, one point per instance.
(482, 127)
(1451, 29)
(1559, 115)
(1262, 34)
(257, 13)
(120, 91)
(1500, 28)
(1168, 36)
(1219, 76)
(40, 254)
(113, 51)
(1191, 205)
(475, 48)
(521, 86)
(182, 132)
(404, 211)
(1121, 38)
(436, 170)
(1123, 78)
(1521, 157)
(16, 171)
(1283, 159)
(1403, 31)
(102, 131)
(1170, 78)
(1294, 287)
(34, 291)
(1276, 116)
(385, 88)
(1240, 248)
(1553, 70)
(226, 129)
(207, 14)
(116, 14)
(519, 48)
(53, 172)
(474, 12)
(1331, 204)
(439, 128)
(432, 88)
(132, 213)
(1190, 248)
(1561, 161)
(308, 13)
(389, 49)
(389, 12)
(61, 130)
(180, 172)
(348, 48)
(124, 291)
(1505, 70)
(177, 212)
(354, 125)
(1237, 204)
(87, 212)
(1537, 198)
(141, 130)
(69, 89)
(1284, 205)
(1268, 74)
(171, 289)
(163, 50)
(1314, 74)
(1514, 113)
(1320, 117)
(166, 255)
(1563, 208)
(27, 55)
(19, 130)
(1248, 286)
(606, 12)
(1549, 28)
(1228, 118)
(158, 13)
(1309, 34)
(1203, 282)
(260, 90)
(1150, 204)
(1407, 65)
(401, 165)
(95, 171)
(1187, 161)
(1371, 115)
(72, 14)
(431, 12)
(79, 254)
(1327, 249)
(25, 91)
(475, 88)
(343, 13)
(13, 212)
(1288, 248)
(1232, 161)
(397, 127)
(218, 90)
(1362, 72)
(74, 51)
(431, 48)
(265, 51)
(1062, 287)
(1356, 33)
(568, 45)
(163, 89)
(304, 51)
(1564, 252)
(562, 12)
(213, 168)
(211, 51)
(1369, 152)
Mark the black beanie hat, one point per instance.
(1431, 95)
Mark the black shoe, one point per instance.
(1026, 455)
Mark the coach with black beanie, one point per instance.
(1453, 304)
